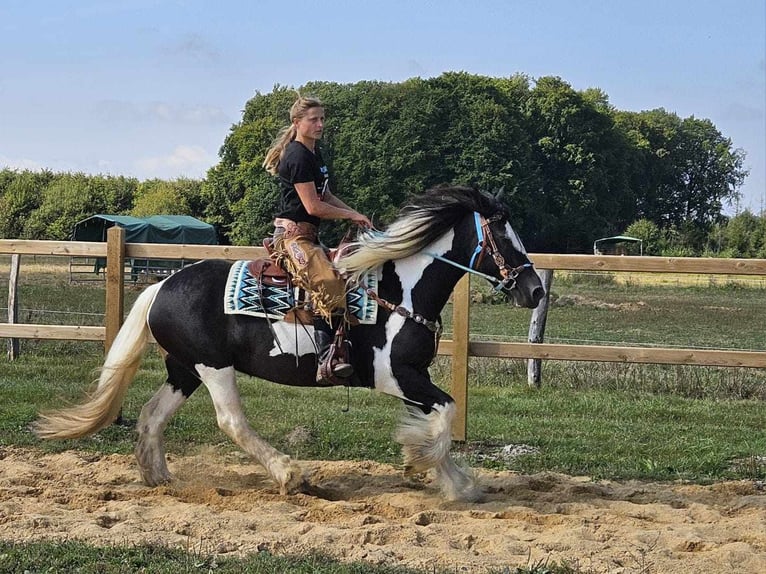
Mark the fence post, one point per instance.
(13, 303)
(115, 286)
(537, 328)
(460, 338)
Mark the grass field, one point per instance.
(614, 421)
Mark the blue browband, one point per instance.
(479, 236)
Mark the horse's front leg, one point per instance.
(221, 383)
(425, 433)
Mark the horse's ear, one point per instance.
(499, 193)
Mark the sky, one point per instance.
(151, 88)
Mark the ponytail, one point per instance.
(284, 137)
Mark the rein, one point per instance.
(485, 240)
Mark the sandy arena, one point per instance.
(365, 511)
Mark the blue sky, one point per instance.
(150, 88)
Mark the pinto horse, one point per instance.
(436, 239)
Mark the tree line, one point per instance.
(573, 167)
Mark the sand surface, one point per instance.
(370, 512)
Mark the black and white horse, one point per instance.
(439, 237)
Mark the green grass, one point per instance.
(621, 435)
(78, 558)
(75, 557)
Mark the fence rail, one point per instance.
(460, 347)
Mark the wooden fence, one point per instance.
(460, 347)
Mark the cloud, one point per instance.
(19, 164)
(27, 164)
(112, 111)
(184, 161)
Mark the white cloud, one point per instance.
(184, 161)
(19, 163)
(22, 164)
(151, 112)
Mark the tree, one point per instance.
(158, 197)
(573, 167)
(649, 233)
(683, 170)
(64, 202)
(20, 196)
(70, 198)
(576, 185)
(740, 236)
(709, 172)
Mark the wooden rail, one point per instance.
(460, 347)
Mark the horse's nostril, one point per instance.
(537, 294)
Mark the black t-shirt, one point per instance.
(299, 165)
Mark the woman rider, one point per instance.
(306, 199)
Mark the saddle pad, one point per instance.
(245, 295)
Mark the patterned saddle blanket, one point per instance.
(246, 294)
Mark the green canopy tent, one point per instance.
(178, 229)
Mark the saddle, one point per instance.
(269, 273)
(262, 288)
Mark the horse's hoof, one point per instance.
(411, 471)
(296, 482)
(160, 480)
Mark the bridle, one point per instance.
(486, 244)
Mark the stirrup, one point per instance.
(333, 368)
(339, 370)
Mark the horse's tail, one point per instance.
(104, 403)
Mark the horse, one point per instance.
(437, 238)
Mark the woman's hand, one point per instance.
(361, 220)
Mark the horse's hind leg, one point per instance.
(150, 449)
(222, 385)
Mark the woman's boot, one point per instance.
(331, 363)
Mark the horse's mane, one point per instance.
(421, 222)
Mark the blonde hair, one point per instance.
(298, 110)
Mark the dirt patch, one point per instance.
(579, 300)
(369, 511)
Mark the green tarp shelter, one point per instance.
(155, 229)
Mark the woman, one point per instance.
(306, 199)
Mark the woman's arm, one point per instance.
(328, 208)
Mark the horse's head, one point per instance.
(500, 254)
